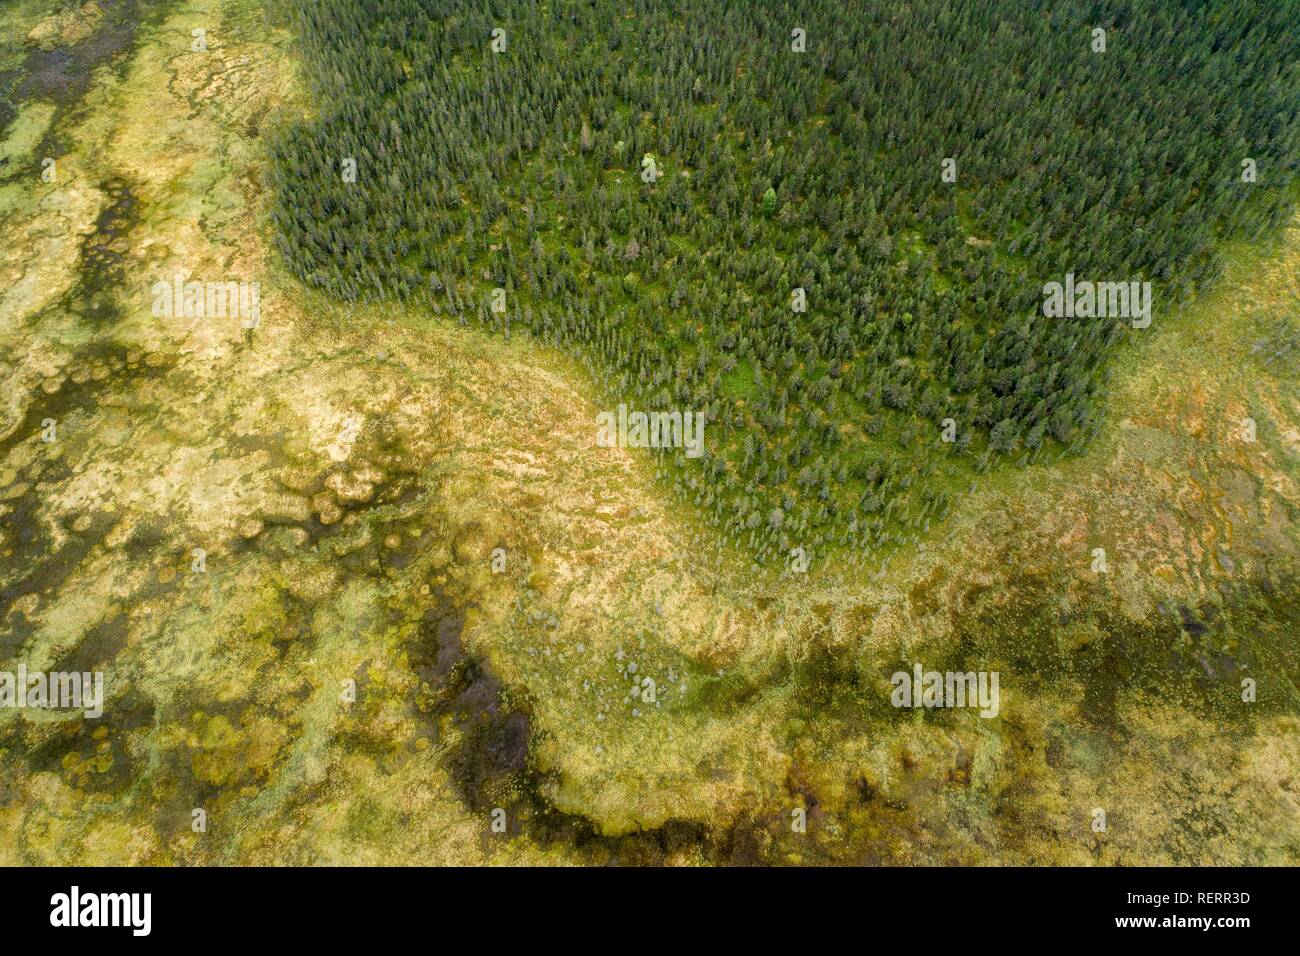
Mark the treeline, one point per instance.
(521, 168)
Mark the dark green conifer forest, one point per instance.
(650, 181)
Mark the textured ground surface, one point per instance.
(348, 474)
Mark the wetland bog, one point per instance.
(425, 593)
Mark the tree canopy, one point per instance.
(515, 160)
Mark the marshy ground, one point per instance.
(349, 472)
